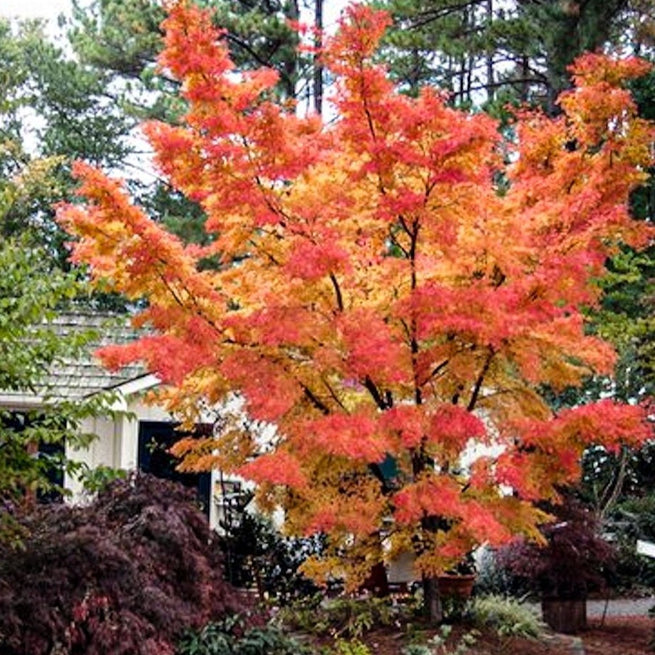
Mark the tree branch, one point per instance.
(333, 394)
(337, 291)
(315, 400)
(375, 392)
(478, 383)
(436, 370)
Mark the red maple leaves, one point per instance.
(379, 298)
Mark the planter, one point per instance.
(456, 586)
(568, 616)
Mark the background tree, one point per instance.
(484, 50)
(258, 31)
(492, 53)
(33, 289)
(85, 101)
(379, 298)
(54, 111)
(32, 441)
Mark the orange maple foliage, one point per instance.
(381, 296)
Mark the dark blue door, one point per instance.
(155, 440)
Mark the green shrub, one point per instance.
(341, 617)
(507, 616)
(232, 636)
(417, 649)
(352, 647)
(95, 480)
(493, 578)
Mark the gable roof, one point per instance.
(84, 375)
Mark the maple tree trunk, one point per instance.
(432, 607)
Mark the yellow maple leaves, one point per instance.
(377, 299)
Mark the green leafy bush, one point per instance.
(233, 636)
(507, 616)
(417, 649)
(493, 578)
(351, 647)
(99, 478)
(342, 617)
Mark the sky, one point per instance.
(33, 8)
(52, 8)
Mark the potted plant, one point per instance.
(458, 582)
(563, 571)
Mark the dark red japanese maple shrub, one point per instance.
(125, 574)
(575, 559)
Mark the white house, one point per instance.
(139, 435)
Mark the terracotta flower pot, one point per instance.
(456, 586)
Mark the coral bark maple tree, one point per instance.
(390, 290)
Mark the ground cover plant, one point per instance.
(126, 574)
(507, 616)
(234, 636)
(387, 289)
(624, 636)
(345, 618)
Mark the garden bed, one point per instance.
(616, 636)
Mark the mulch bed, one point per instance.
(616, 636)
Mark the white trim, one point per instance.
(128, 450)
(137, 385)
(646, 548)
(21, 401)
(17, 401)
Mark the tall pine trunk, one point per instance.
(318, 67)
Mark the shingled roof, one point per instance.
(83, 376)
